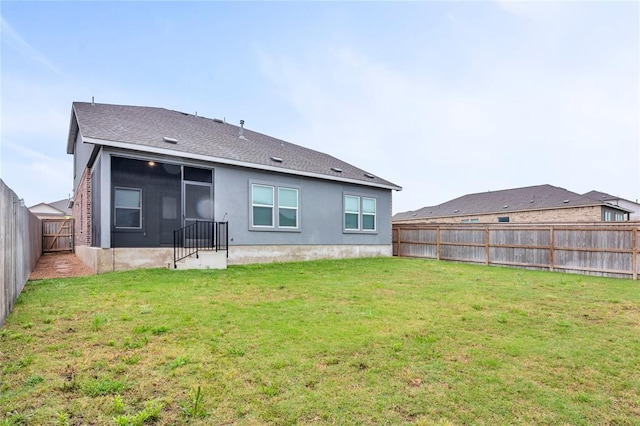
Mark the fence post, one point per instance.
(634, 252)
(551, 244)
(398, 241)
(438, 242)
(486, 245)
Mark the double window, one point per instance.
(128, 208)
(359, 213)
(274, 207)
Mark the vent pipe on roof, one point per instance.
(92, 101)
(241, 135)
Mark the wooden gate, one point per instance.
(57, 235)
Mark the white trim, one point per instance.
(181, 154)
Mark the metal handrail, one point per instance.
(199, 236)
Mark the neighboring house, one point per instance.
(532, 204)
(632, 206)
(140, 173)
(53, 210)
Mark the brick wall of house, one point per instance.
(82, 210)
(571, 214)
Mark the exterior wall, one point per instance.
(96, 186)
(82, 211)
(571, 214)
(81, 156)
(635, 207)
(320, 210)
(239, 255)
(320, 216)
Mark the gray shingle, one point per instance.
(144, 128)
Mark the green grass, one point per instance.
(366, 341)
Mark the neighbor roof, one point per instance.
(59, 208)
(539, 197)
(603, 196)
(185, 135)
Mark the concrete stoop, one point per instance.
(205, 260)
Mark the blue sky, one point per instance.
(442, 98)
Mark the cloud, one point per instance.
(14, 40)
(510, 119)
(36, 176)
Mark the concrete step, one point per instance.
(205, 260)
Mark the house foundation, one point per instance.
(239, 255)
(102, 260)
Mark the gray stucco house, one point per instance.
(141, 173)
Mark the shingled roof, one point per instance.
(168, 132)
(539, 197)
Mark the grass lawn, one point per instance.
(364, 341)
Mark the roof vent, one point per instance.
(456, 211)
(170, 140)
(506, 206)
(276, 159)
(415, 214)
(337, 170)
(565, 201)
(241, 134)
(369, 175)
(217, 120)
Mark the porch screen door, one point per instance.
(198, 202)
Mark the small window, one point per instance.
(503, 219)
(368, 214)
(607, 216)
(287, 208)
(128, 208)
(262, 204)
(359, 213)
(351, 212)
(619, 217)
(274, 208)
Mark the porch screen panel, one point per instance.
(198, 202)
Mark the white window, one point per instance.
(607, 216)
(128, 208)
(368, 214)
(262, 205)
(351, 213)
(274, 208)
(287, 208)
(359, 213)
(619, 217)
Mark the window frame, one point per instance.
(296, 208)
(116, 207)
(360, 213)
(275, 208)
(254, 205)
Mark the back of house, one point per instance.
(143, 173)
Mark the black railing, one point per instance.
(200, 236)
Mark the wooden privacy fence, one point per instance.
(599, 249)
(57, 235)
